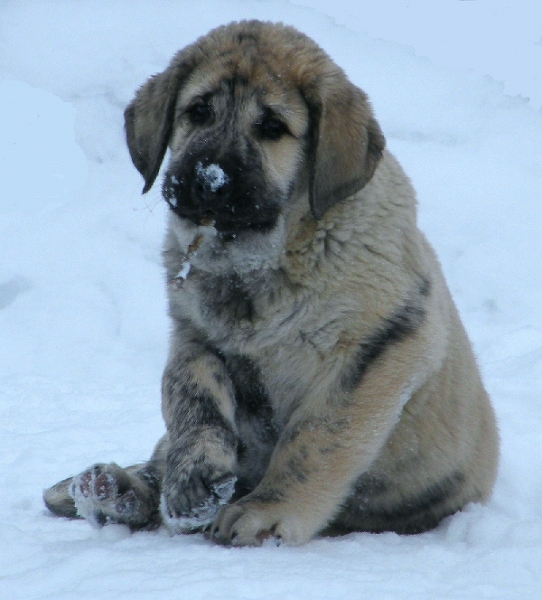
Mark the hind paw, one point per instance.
(109, 494)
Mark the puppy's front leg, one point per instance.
(198, 407)
(322, 453)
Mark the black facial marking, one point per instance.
(228, 187)
(201, 112)
(220, 174)
(271, 127)
(396, 328)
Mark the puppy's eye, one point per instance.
(271, 128)
(200, 113)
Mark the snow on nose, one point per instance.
(212, 176)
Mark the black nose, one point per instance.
(211, 185)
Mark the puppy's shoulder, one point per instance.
(370, 234)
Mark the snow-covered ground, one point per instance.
(457, 87)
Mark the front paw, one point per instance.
(189, 503)
(251, 523)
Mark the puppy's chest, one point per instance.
(259, 315)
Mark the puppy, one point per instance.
(319, 378)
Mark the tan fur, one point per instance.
(317, 358)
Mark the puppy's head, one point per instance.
(256, 116)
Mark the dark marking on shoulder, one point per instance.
(405, 321)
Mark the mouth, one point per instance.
(226, 227)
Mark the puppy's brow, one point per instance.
(204, 97)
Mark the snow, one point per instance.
(184, 272)
(213, 175)
(457, 88)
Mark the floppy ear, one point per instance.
(148, 119)
(345, 145)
